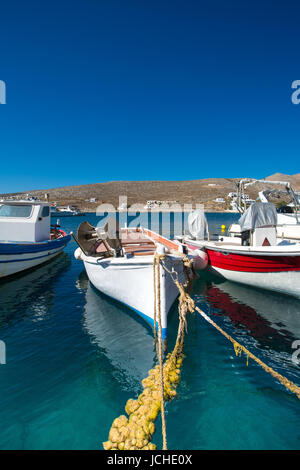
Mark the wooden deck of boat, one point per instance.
(136, 244)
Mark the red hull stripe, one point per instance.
(252, 264)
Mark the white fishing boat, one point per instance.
(26, 237)
(121, 266)
(65, 211)
(288, 216)
(256, 257)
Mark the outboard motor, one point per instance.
(111, 233)
(285, 210)
(246, 238)
(90, 238)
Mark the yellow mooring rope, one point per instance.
(136, 431)
(156, 264)
(238, 348)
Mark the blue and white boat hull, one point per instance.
(130, 281)
(17, 257)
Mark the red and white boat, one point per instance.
(256, 257)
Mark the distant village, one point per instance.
(151, 204)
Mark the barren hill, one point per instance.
(293, 179)
(183, 192)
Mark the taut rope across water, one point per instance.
(136, 431)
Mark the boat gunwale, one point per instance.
(246, 250)
(123, 260)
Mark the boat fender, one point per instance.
(78, 253)
(200, 260)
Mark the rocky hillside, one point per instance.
(293, 179)
(195, 191)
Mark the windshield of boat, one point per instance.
(10, 210)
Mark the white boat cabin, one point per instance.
(258, 225)
(24, 221)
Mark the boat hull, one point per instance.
(17, 257)
(279, 272)
(283, 282)
(130, 281)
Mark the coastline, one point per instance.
(212, 211)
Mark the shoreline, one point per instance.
(164, 210)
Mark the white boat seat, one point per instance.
(139, 249)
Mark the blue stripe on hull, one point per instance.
(151, 321)
(31, 259)
(23, 248)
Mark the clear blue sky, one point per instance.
(136, 89)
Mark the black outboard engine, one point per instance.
(90, 238)
(285, 210)
(245, 236)
(87, 237)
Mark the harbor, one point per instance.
(149, 230)
(79, 356)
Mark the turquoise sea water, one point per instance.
(74, 357)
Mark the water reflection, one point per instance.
(32, 291)
(260, 319)
(121, 337)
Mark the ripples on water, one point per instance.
(74, 357)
